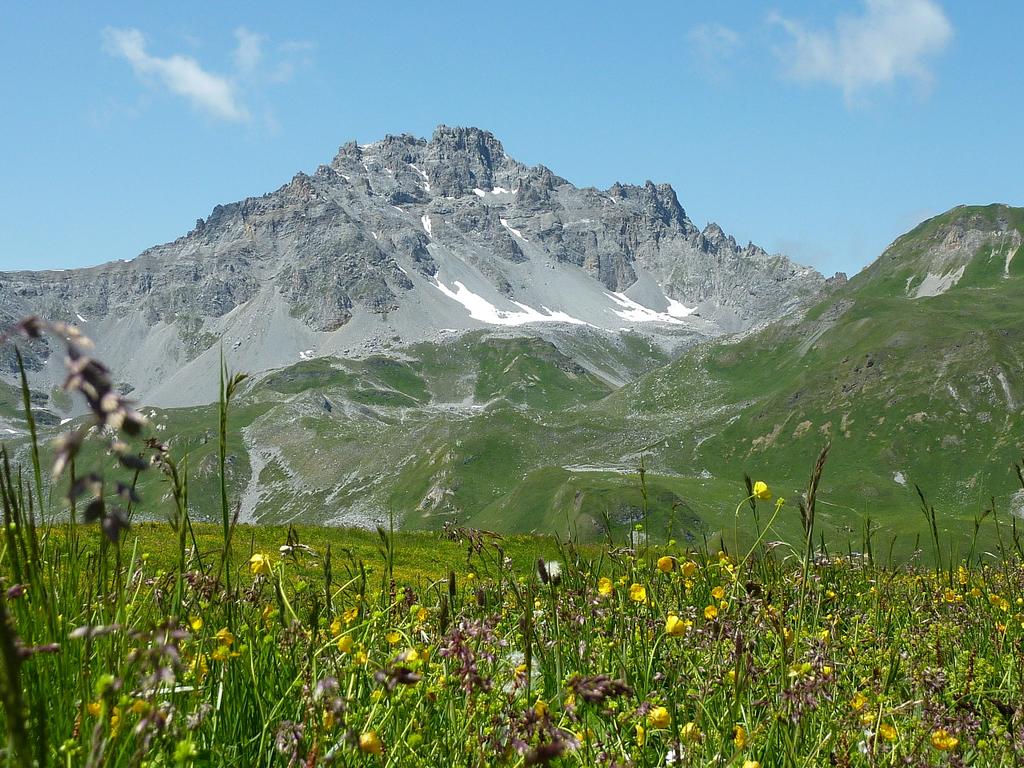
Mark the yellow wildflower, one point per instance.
(689, 569)
(718, 593)
(336, 627)
(196, 622)
(858, 702)
(659, 718)
(751, 764)
(345, 643)
(641, 734)
(761, 491)
(666, 564)
(604, 586)
(690, 732)
(887, 732)
(260, 565)
(739, 736)
(638, 593)
(369, 742)
(94, 708)
(675, 626)
(224, 636)
(393, 637)
(943, 740)
(710, 612)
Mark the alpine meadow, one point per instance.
(432, 457)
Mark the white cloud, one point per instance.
(712, 46)
(890, 40)
(182, 75)
(249, 51)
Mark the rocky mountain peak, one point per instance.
(657, 200)
(715, 236)
(405, 240)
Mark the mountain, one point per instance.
(511, 433)
(403, 241)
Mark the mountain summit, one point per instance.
(407, 240)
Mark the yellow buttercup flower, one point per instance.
(943, 740)
(196, 622)
(335, 627)
(739, 736)
(638, 593)
(641, 734)
(751, 764)
(689, 569)
(94, 708)
(710, 612)
(605, 586)
(887, 732)
(762, 491)
(393, 637)
(345, 643)
(858, 702)
(370, 742)
(224, 636)
(718, 593)
(260, 565)
(675, 626)
(690, 732)
(659, 718)
(666, 564)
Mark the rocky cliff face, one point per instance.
(400, 241)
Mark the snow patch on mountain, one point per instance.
(484, 311)
(638, 313)
(513, 230)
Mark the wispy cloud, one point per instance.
(712, 47)
(888, 41)
(214, 94)
(249, 51)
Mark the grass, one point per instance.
(361, 648)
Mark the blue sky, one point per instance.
(820, 129)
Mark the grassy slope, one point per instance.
(904, 386)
